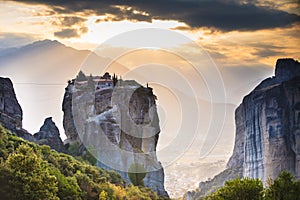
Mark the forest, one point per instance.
(29, 171)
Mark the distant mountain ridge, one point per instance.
(12, 51)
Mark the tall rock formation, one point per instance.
(118, 124)
(10, 110)
(49, 135)
(11, 114)
(267, 137)
(268, 125)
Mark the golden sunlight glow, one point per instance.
(21, 18)
(229, 48)
(100, 32)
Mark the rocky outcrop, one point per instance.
(267, 131)
(49, 135)
(11, 114)
(268, 126)
(119, 125)
(10, 110)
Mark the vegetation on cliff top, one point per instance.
(30, 171)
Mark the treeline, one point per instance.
(32, 172)
(285, 187)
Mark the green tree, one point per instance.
(285, 187)
(136, 174)
(68, 188)
(89, 156)
(27, 176)
(3, 142)
(81, 76)
(29, 171)
(91, 83)
(239, 189)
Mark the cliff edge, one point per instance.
(11, 116)
(268, 126)
(116, 121)
(267, 139)
(11, 113)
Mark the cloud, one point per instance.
(66, 33)
(71, 26)
(222, 15)
(267, 53)
(71, 21)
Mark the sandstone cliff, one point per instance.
(118, 124)
(267, 137)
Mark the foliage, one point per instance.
(27, 176)
(89, 156)
(284, 187)
(136, 174)
(73, 148)
(103, 195)
(243, 189)
(136, 193)
(91, 83)
(29, 171)
(212, 185)
(81, 76)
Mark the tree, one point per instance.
(136, 174)
(285, 187)
(81, 76)
(239, 189)
(27, 176)
(91, 83)
(68, 188)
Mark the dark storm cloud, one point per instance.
(223, 15)
(67, 33)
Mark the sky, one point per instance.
(233, 32)
(239, 40)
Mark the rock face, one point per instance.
(10, 110)
(268, 126)
(119, 125)
(11, 118)
(49, 135)
(267, 131)
(11, 114)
